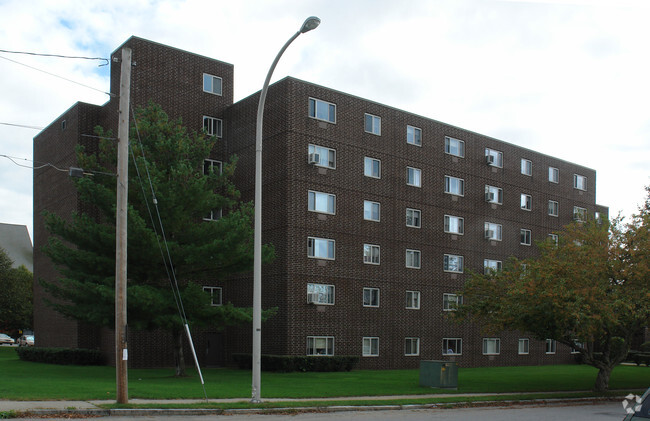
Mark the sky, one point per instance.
(568, 78)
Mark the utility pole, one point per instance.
(121, 349)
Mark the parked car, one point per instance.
(6, 339)
(26, 340)
(640, 408)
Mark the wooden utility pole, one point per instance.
(121, 349)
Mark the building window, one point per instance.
(553, 208)
(373, 124)
(526, 202)
(554, 239)
(493, 231)
(320, 248)
(491, 346)
(371, 167)
(413, 259)
(322, 202)
(526, 167)
(526, 239)
(321, 156)
(553, 175)
(450, 302)
(215, 295)
(453, 263)
(493, 194)
(212, 126)
(413, 177)
(523, 346)
(454, 147)
(577, 346)
(492, 266)
(454, 224)
(370, 210)
(452, 346)
(411, 347)
(371, 254)
(321, 110)
(212, 84)
(413, 300)
(370, 347)
(579, 182)
(371, 297)
(455, 186)
(320, 345)
(211, 166)
(413, 218)
(320, 294)
(579, 214)
(413, 136)
(494, 158)
(551, 346)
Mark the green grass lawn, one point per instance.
(34, 381)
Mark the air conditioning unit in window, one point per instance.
(314, 158)
(489, 196)
(489, 234)
(489, 159)
(312, 297)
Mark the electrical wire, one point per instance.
(48, 164)
(22, 125)
(57, 56)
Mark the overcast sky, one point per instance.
(568, 78)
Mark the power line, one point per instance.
(57, 55)
(48, 164)
(22, 125)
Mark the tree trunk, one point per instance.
(602, 380)
(179, 359)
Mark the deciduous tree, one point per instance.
(16, 295)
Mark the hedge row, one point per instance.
(288, 363)
(64, 356)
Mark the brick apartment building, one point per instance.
(376, 215)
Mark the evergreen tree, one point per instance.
(16, 296)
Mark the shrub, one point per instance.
(645, 347)
(288, 363)
(63, 356)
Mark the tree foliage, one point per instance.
(590, 292)
(16, 295)
(83, 249)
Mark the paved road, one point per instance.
(610, 411)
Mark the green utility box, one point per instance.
(441, 374)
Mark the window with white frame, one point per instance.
(413, 136)
(450, 302)
(553, 208)
(491, 346)
(320, 248)
(320, 294)
(579, 182)
(320, 345)
(554, 238)
(211, 166)
(553, 175)
(371, 297)
(526, 202)
(213, 126)
(525, 237)
(413, 300)
(371, 254)
(454, 147)
(577, 346)
(579, 214)
(411, 347)
(321, 156)
(322, 110)
(215, 295)
(523, 347)
(413, 259)
(493, 194)
(452, 263)
(551, 346)
(370, 346)
(371, 167)
(454, 224)
(372, 124)
(370, 210)
(413, 218)
(493, 231)
(413, 176)
(526, 167)
(212, 84)
(452, 346)
(454, 185)
(494, 158)
(492, 266)
(321, 202)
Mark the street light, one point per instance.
(310, 23)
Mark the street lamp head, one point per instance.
(311, 22)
